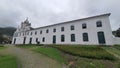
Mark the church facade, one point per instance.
(95, 30)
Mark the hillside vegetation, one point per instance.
(7, 31)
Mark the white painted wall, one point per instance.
(91, 29)
(116, 40)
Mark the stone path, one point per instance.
(30, 59)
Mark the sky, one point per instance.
(47, 12)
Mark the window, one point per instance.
(43, 40)
(31, 33)
(72, 27)
(16, 34)
(27, 33)
(99, 24)
(85, 36)
(62, 28)
(36, 39)
(84, 26)
(72, 37)
(35, 32)
(23, 33)
(47, 31)
(62, 38)
(41, 32)
(20, 34)
(54, 30)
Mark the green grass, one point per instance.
(117, 47)
(113, 51)
(116, 52)
(8, 62)
(92, 52)
(27, 46)
(90, 63)
(2, 47)
(50, 52)
(82, 56)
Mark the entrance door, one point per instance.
(14, 41)
(30, 41)
(54, 39)
(24, 40)
(101, 37)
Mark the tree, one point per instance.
(118, 32)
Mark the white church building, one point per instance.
(95, 30)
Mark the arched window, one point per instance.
(99, 23)
(84, 26)
(85, 36)
(72, 27)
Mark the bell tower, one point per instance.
(25, 25)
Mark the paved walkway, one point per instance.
(30, 59)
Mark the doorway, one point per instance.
(101, 37)
(24, 40)
(54, 39)
(14, 41)
(30, 41)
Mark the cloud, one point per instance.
(46, 12)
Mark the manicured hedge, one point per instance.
(92, 52)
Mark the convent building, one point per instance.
(95, 30)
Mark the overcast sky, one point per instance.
(46, 12)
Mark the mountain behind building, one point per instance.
(7, 31)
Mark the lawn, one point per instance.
(1, 47)
(79, 56)
(47, 51)
(92, 52)
(7, 61)
(117, 47)
(50, 52)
